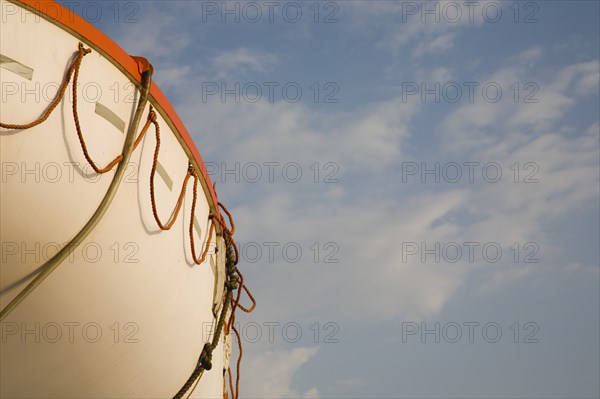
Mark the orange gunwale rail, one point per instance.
(132, 67)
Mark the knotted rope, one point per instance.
(234, 281)
(82, 52)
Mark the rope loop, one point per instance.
(75, 64)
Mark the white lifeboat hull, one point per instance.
(127, 314)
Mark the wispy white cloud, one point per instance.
(424, 29)
(539, 104)
(373, 257)
(270, 374)
(369, 139)
(442, 75)
(565, 162)
(240, 61)
(173, 76)
(438, 45)
(158, 35)
(583, 77)
(370, 217)
(374, 141)
(530, 55)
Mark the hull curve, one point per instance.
(128, 312)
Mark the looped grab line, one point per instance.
(88, 158)
(202, 258)
(82, 52)
(231, 230)
(191, 172)
(175, 213)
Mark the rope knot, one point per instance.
(206, 357)
(191, 170)
(232, 283)
(83, 49)
(152, 116)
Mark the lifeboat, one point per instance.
(118, 270)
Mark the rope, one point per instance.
(169, 224)
(202, 258)
(234, 280)
(194, 387)
(231, 230)
(73, 71)
(190, 173)
(88, 158)
(230, 383)
(231, 325)
(59, 95)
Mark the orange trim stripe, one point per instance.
(134, 66)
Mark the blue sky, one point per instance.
(370, 135)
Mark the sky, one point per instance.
(415, 186)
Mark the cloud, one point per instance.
(530, 55)
(582, 77)
(241, 61)
(270, 374)
(442, 75)
(158, 35)
(370, 142)
(421, 28)
(370, 237)
(370, 215)
(369, 139)
(538, 106)
(439, 44)
(172, 76)
(534, 140)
